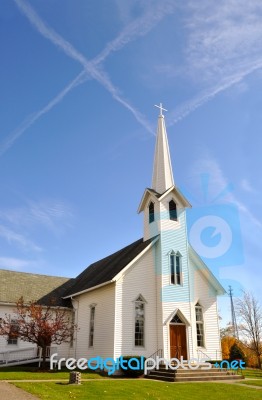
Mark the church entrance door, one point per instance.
(178, 342)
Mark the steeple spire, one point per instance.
(162, 170)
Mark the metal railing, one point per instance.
(214, 355)
(158, 353)
(22, 355)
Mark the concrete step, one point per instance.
(192, 375)
(160, 378)
(208, 378)
(163, 373)
(204, 372)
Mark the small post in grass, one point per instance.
(75, 378)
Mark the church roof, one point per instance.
(33, 287)
(105, 270)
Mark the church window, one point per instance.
(199, 325)
(151, 212)
(175, 268)
(13, 333)
(172, 210)
(139, 321)
(92, 326)
(176, 320)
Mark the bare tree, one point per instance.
(250, 314)
(42, 325)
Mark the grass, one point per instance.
(253, 382)
(32, 373)
(139, 389)
(252, 373)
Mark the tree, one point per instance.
(226, 343)
(250, 313)
(236, 353)
(39, 324)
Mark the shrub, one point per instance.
(236, 353)
(134, 373)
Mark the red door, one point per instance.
(178, 347)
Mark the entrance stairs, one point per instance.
(189, 375)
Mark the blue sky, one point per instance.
(79, 80)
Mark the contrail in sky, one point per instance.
(187, 108)
(139, 27)
(13, 136)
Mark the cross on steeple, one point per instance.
(161, 108)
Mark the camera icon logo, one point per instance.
(214, 232)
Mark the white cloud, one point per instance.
(219, 184)
(13, 263)
(246, 186)
(18, 224)
(223, 48)
(17, 238)
(51, 214)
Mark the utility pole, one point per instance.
(233, 315)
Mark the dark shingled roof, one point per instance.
(33, 287)
(106, 269)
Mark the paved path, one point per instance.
(11, 392)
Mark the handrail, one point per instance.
(158, 353)
(204, 354)
(24, 354)
(14, 351)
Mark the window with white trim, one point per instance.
(172, 210)
(13, 333)
(151, 210)
(92, 326)
(175, 268)
(199, 325)
(140, 321)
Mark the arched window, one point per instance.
(172, 210)
(199, 325)
(92, 325)
(139, 321)
(175, 268)
(151, 212)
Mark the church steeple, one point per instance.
(162, 170)
(163, 204)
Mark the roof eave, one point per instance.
(121, 273)
(88, 290)
(144, 199)
(181, 197)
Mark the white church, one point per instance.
(155, 296)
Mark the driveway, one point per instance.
(10, 392)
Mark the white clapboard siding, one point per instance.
(139, 279)
(104, 301)
(205, 295)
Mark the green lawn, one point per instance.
(23, 372)
(254, 382)
(140, 389)
(252, 373)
